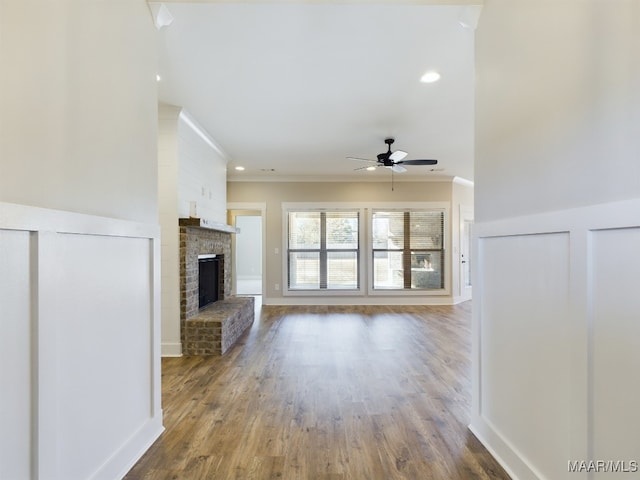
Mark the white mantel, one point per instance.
(208, 224)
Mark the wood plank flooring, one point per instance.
(326, 393)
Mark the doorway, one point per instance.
(247, 247)
(466, 225)
(249, 255)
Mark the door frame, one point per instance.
(236, 209)
(466, 215)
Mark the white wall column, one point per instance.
(557, 219)
(170, 244)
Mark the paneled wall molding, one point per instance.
(553, 357)
(585, 218)
(79, 312)
(28, 218)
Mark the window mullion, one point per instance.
(323, 250)
(406, 254)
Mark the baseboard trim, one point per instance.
(131, 451)
(357, 301)
(509, 458)
(171, 349)
(457, 300)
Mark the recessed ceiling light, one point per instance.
(430, 77)
(371, 168)
(240, 168)
(158, 77)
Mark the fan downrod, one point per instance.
(383, 158)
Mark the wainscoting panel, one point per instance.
(104, 363)
(80, 344)
(615, 293)
(523, 347)
(555, 337)
(15, 355)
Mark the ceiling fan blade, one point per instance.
(398, 155)
(419, 162)
(398, 169)
(362, 159)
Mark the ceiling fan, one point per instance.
(393, 160)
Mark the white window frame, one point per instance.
(319, 207)
(443, 207)
(365, 249)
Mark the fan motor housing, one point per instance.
(385, 160)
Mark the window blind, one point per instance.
(408, 249)
(323, 250)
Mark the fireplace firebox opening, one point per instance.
(210, 279)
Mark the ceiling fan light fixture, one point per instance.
(430, 77)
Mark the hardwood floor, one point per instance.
(326, 393)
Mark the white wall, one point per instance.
(557, 220)
(191, 168)
(275, 194)
(202, 172)
(558, 105)
(77, 92)
(79, 292)
(170, 241)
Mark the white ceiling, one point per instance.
(298, 87)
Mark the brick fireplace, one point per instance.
(213, 329)
(196, 241)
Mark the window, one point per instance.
(323, 250)
(408, 251)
